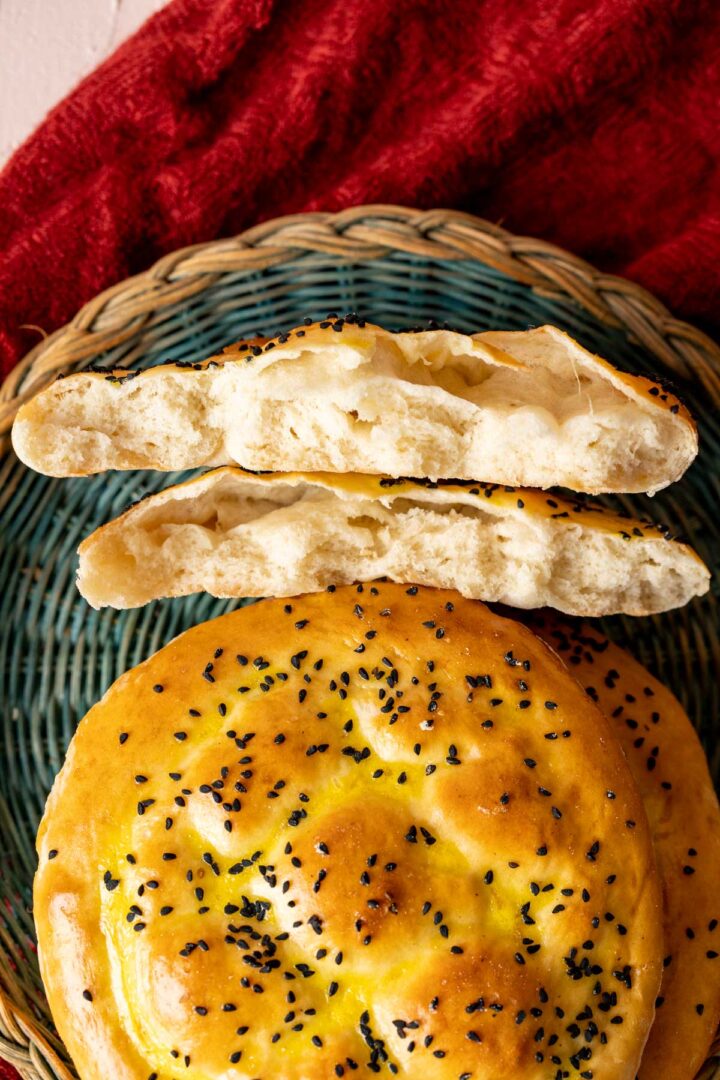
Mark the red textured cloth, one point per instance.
(592, 123)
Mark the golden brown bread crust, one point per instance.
(671, 772)
(413, 844)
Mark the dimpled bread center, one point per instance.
(374, 846)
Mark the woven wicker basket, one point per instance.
(396, 266)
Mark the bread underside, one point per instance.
(529, 408)
(231, 534)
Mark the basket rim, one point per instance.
(23, 1045)
(363, 233)
(359, 233)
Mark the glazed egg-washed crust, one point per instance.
(671, 773)
(379, 830)
(344, 394)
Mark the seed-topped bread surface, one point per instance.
(373, 830)
(671, 772)
(530, 408)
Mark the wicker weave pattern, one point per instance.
(395, 265)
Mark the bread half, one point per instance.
(232, 533)
(524, 408)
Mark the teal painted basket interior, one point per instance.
(57, 656)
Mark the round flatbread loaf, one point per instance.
(376, 830)
(671, 772)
